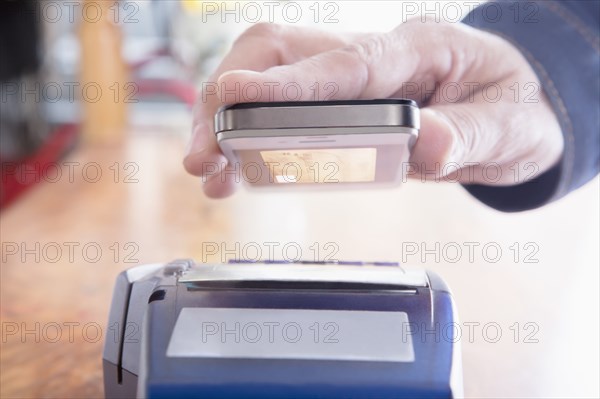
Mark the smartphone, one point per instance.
(318, 143)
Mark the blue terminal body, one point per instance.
(144, 369)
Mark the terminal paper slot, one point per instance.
(298, 285)
(304, 277)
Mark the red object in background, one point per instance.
(181, 90)
(18, 176)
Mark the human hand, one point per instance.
(481, 101)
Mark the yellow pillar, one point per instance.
(104, 90)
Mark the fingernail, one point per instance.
(237, 72)
(199, 140)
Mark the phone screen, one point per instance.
(329, 165)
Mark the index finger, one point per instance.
(258, 49)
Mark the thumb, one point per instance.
(437, 139)
(450, 136)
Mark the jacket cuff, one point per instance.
(563, 50)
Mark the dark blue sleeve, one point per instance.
(561, 40)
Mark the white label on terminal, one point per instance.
(292, 334)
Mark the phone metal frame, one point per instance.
(321, 125)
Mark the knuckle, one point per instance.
(427, 32)
(263, 30)
(366, 54)
(269, 34)
(463, 121)
(368, 51)
(466, 128)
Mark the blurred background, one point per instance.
(96, 100)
